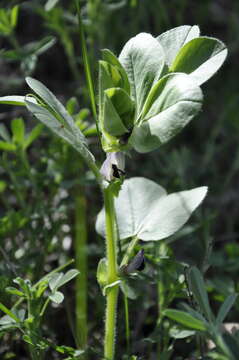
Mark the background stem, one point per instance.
(81, 265)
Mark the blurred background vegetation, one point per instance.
(46, 193)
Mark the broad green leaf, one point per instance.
(123, 105)
(185, 319)
(71, 137)
(225, 308)
(201, 58)
(143, 60)
(198, 289)
(174, 39)
(33, 135)
(112, 122)
(18, 130)
(13, 100)
(109, 57)
(171, 104)
(151, 213)
(57, 297)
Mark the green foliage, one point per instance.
(146, 96)
(37, 298)
(164, 86)
(151, 216)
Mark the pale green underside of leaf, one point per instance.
(13, 100)
(144, 209)
(57, 297)
(49, 98)
(143, 59)
(51, 122)
(174, 39)
(201, 58)
(171, 105)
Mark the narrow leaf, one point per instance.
(56, 107)
(225, 308)
(18, 130)
(86, 64)
(4, 133)
(198, 289)
(9, 312)
(7, 146)
(14, 16)
(185, 319)
(13, 100)
(33, 135)
(69, 136)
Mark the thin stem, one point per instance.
(81, 265)
(127, 329)
(87, 65)
(112, 294)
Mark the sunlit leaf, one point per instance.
(201, 58)
(151, 213)
(143, 60)
(171, 104)
(174, 39)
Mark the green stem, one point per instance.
(81, 265)
(112, 294)
(127, 329)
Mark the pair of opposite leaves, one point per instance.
(145, 210)
(153, 89)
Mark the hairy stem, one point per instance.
(112, 293)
